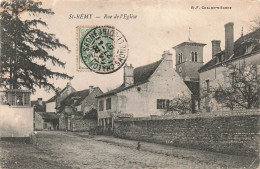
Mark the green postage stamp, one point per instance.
(101, 49)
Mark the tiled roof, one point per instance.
(46, 115)
(141, 75)
(194, 87)
(54, 97)
(239, 49)
(79, 96)
(189, 42)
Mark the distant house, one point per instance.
(75, 106)
(55, 101)
(146, 91)
(44, 120)
(246, 50)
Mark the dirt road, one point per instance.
(58, 150)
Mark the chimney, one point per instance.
(215, 47)
(128, 75)
(167, 55)
(39, 101)
(229, 40)
(91, 88)
(69, 84)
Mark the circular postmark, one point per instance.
(104, 49)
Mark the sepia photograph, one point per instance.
(143, 84)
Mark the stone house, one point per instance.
(246, 50)
(146, 91)
(74, 107)
(55, 101)
(43, 120)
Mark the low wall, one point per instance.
(16, 121)
(228, 132)
(83, 124)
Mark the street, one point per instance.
(74, 150)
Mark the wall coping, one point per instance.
(214, 114)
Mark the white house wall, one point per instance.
(50, 107)
(219, 76)
(165, 83)
(16, 121)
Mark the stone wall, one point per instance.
(82, 124)
(232, 133)
(38, 121)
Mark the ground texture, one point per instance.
(60, 150)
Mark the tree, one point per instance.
(243, 88)
(180, 104)
(255, 23)
(24, 47)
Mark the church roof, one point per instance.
(189, 43)
(141, 75)
(239, 50)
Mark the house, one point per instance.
(246, 50)
(55, 101)
(146, 91)
(16, 113)
(44, 120)
(73, 108)
(189, 59)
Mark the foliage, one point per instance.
(180, 104)
(255, 23)
(24, 47)
(243, 88)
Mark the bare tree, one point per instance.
(242, 89)
(180, 104)
(255, 23)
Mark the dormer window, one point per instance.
(180, 58)
(249, 48)
(194, 56)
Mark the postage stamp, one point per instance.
(101, 49)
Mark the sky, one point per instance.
(159, 26)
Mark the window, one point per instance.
(207, 85)
(180, 58)
(101, 105)
(108, 104)
(233, 78)
(194, 56)
(26, 99)
(163, 103)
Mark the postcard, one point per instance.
(130, 84)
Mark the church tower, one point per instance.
(189, 58)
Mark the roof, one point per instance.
(74, 99)
(194, 87)
(189, 42)
(46, 115)
(55, 96)
(39, 107)
(141, 75)
(16, 90)
(58, 94)
(239, 50)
